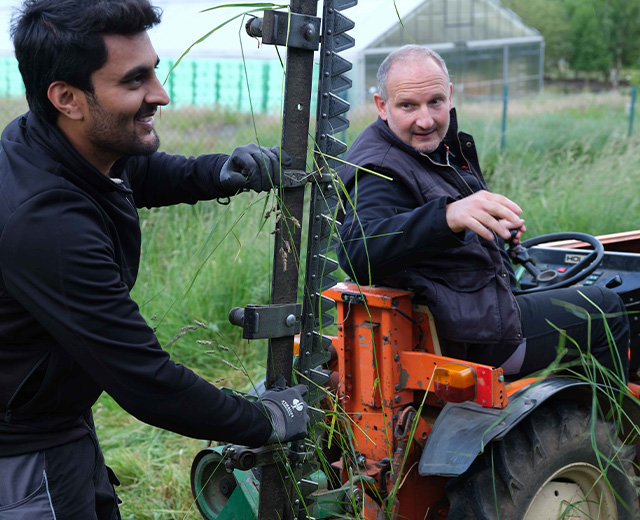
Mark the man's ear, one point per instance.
(381, 105)
(450, 95)
(66, 99)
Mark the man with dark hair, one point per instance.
(434, 227)
(72, 172)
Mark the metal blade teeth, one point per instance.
(323, 230)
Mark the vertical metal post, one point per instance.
(541, 68)
(503, 132)
(276, 489)
(240, 85)
(171, 82)
(194, 83)
(505, 94)
(266, 72)
(632, 110)
(217, 84)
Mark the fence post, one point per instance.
(217, 84)
(505, 98)
(194, 82)
(634, 90)
(171, 81)
(240, 85)
(265, 86)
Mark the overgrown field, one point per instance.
(567, 162)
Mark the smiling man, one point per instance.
(116, 119)
(433, 227)
(72, 172)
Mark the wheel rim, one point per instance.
(577, 491)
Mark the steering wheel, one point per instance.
(551, 279)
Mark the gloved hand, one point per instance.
(288, 412)
(255, 167)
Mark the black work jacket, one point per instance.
(397, 234)
(69, 256)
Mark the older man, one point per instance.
(420, 217)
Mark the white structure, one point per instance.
(485, 45)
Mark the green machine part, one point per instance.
(221, 494)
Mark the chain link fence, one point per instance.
(216, 104)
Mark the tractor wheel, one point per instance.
(546, 468)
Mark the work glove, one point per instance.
(288, 412)
(255, 167)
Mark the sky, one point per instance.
(183, 22)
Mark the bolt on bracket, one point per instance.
(286, 29)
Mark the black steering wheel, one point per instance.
(551, 279)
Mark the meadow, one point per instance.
(568, 162)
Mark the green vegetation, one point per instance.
(566, 162)
(588, 36)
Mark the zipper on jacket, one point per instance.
(495, 235)
(124, 191)
(456, 171)
(130, 203)
(480, 182)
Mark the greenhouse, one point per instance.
(484, 44)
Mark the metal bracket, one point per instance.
(295, 178)
(267, 321)
(286, 29)
(352, 298)
(244, 458)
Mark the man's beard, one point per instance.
(113, 134)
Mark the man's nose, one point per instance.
(425, 119)
(157, 95)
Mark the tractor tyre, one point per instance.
(546, 468)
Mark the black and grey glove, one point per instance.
(288, 412)
(255, 167)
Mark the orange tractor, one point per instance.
(399, 430)
(412, 434)
(440, 438)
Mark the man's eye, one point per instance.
(136, 80)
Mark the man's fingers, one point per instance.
(484, 212)
(479, 228)
(505, 202)
(283, 156)
(490, 223)
(268, 164)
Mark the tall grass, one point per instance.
(566, 163)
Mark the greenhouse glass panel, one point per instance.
(482, 42)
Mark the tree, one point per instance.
(588, 46)
(549, 18)
(623, 29)
(591, 35)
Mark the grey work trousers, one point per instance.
(67, 482)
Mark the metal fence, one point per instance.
(215, 103)
(241, 85)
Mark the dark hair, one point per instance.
(61, 40)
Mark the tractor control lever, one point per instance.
(520, 255)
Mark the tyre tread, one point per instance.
(548, 437)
